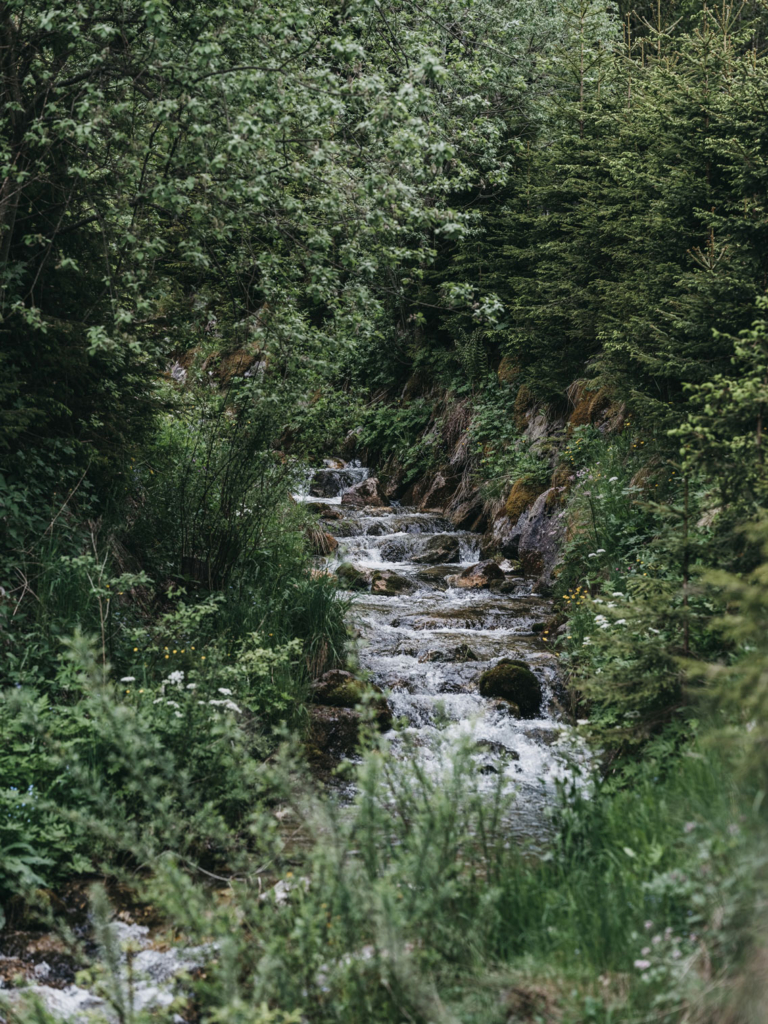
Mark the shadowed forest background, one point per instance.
(496, 250)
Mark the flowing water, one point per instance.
(427, 648)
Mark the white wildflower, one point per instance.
(191, 686)
(228, 704)
(128, 679)
(172, 704)
(159, 699)
(178, 714)
(225, 691)
(176, 678)
(600, 551)
(592, 555)
(652, 630)
(642, 965)
(618, 593)
(613, 479)
(621, 622)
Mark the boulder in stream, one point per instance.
(480, 575)
(390, 584)
(441, 547)
(513, 681)
(351, 577)
(367, 494)
(324, 511)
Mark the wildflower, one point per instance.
(652, 630)
(642, 965)
(228, 704)
(128, 679)
(621, 622)
(191, 686)
(689, 826)
(176, 678)
(648, 925)
(617, 593)
(592, 554)
(613, 480)
(172, 704)
(225, 691)
(600, 551)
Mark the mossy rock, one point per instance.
(524, 402)
(340, 689)
(523, 494)
(513, 681)
(352, 578)
(390, 584)
(508, 371)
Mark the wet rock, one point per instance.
(535, 539)
(480, 575)
(376, 530)
(436, 549)
(439, 492)
(494, 747)
(469, 515)
(351, 577)
(435, 576)
(324, 511)
(546, 737)
(339, 689)
(390, 584)
(506, 707)
(504, 586)
(454, 655)
(332, 731)
(365, 494)
(327, 483)
(513, 681)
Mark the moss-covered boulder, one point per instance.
(523, 494)
(513, 681)
(340, 689)
(351, 577)
(390, 584)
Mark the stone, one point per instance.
(324, 511)
(326, 483)
(365, 495)
(390, 583)
(351, 577)
(455, 655)
(439, 492)
(435, 576)
(438, 548)
(513, 681)
(469, 515)
(480, 575)
(494, 747)
(333, 730)
(338, 688)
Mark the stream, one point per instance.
(426, 648)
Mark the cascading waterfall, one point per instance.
(426, 648)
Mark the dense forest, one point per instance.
(512, 258)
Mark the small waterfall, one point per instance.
(427, 646)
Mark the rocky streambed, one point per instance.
(457, 645)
